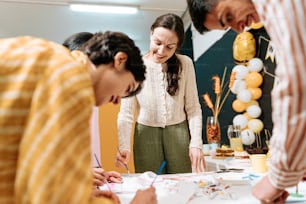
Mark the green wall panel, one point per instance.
(213, 61)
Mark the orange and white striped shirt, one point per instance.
(46, 99)
(285, 21)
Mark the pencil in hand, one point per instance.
(125, 165)
(105, 181)
(162, 166)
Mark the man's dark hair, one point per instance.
(75, 41)
(198, 10)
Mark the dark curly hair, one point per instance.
(75, 41)
(174, 23)
(198, 10)
(102, 47)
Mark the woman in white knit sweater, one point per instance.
(168, 113)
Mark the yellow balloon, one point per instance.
(256, 25)
(244, 48)
(255, 125)
(253, 80)
(253, 102)
(255, 92)
(247, 116)
(238, 106)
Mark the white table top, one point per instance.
(217, 164)
(185, 188)
(231, 187)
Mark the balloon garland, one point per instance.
(247, 88)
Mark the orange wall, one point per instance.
(109, 138)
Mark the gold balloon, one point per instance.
(247, 116)
(255, 125)
(244, 48)
(253, 80)
(238, 106)
(253, 102)
(255, 92)
(256, 25)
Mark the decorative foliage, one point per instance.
(221, 92)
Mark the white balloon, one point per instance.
(244, 95)
(240, 120)
(254, 111)
(247, 137)
(255, 125)
(238, 85)
(241, 71)
(255, 65)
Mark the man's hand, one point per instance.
(266, 193)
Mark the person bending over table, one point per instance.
(47, 95)
(74, 42)
(285, 23)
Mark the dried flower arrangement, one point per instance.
(219, 89)
(213, 130)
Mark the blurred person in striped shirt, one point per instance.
(285, 22)
(47, 93)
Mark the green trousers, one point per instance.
(152, 145)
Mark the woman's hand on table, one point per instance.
(197, 160)
(122, 158)
(113, 177)
(101, 176)
(147, 196)
(266, 193)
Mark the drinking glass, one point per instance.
(233, 133)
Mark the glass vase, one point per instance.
(213, 131)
